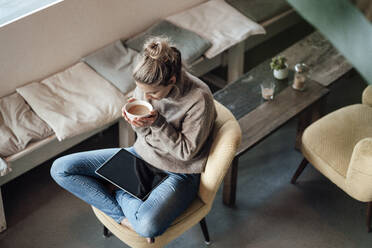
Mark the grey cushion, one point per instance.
(19, 125)
(190, 44)
(260, 10)
(115, 63)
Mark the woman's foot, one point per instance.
(125, 222)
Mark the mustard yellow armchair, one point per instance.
(339, 145)
(227, 136)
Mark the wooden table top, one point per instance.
(257, 117)
(325, 62)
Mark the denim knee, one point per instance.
(149, 227)
(57, 171)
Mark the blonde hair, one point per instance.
(158, 63)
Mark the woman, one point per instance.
(175, 138)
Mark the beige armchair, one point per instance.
(227, 136)
(339, 145)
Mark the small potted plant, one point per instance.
(280, 67)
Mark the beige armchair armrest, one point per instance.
(367, 96)
(359, 174)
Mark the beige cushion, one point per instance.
(74, 101)
(4, 167)
(359, 175)
(367, 96)
(329, 143)
(218, 22)
(19, 125)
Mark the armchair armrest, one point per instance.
(367, 96)
(359, 174)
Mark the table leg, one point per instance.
(2, 214)
(235, 62)
(308, 116)
(229, 186)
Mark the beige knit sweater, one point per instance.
(179, 140)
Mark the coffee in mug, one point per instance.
(139, 110)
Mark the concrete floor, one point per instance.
(269, 212)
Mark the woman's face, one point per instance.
(156, 92)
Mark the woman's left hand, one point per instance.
(146, 121)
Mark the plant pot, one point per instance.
(281, 74)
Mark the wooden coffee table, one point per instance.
(259, 118)
(325, 62)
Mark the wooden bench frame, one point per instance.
(41, 151)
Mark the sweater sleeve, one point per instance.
(184, 144)
(143, 131)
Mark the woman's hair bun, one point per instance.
(158, 48)
(159, 62)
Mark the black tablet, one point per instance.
(131, 174)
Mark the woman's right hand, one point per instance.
(132, 99)
(135, 123)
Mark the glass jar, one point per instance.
(301, 73)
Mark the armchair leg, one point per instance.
(299, 170)
(150, 240)
(106, 232)
(369, 212)
(203, 225)
(230, 182)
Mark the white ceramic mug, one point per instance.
(129, 105)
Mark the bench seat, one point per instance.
(260, 10)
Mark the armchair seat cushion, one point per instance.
(329, 142)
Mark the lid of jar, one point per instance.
(301, 67)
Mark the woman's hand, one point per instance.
(143, 121)
(123, 111)
(146, 121)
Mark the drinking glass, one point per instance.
(267, 90)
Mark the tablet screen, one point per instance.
(131, 174)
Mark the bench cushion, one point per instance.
(218, 22)
(115, 63)
(74, 101)
(19, 125)
(260, 10)
(191, 45)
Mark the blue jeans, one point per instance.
(149, 218)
